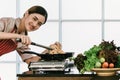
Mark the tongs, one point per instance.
(35, 44)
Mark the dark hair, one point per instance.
(40, 10)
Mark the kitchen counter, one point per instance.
(72, 75)
(58, 76)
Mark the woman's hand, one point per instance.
(25, 39)
(32, 59)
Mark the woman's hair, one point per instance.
(39, 10)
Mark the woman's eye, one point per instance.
(39, 23)
(34, 19)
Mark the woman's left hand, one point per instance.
(33, 59)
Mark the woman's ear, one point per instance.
(26, 14)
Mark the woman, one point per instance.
(12, 29)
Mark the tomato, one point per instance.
(105, 65)
(111, 65)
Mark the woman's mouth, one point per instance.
(31, 27)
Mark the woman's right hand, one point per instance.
(25, 40)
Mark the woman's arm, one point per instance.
(28, 57)
(4, 35)
(32, 59)
(24, 38)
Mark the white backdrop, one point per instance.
(78, 25)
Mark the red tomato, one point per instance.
(105, 65)
(111, 65)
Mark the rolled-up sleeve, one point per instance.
(1, 26)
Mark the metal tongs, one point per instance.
(35, 44)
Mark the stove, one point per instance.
(50, 62)
(48, 66)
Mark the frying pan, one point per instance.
(48, 57)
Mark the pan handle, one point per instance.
(31, 52)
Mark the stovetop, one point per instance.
(48, 66)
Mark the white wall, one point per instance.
(78, 25)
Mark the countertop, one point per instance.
(71, 73)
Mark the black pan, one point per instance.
(48, 57)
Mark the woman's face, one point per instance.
(33, 21)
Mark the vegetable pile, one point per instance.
(104, 55)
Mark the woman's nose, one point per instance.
(35, 23)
